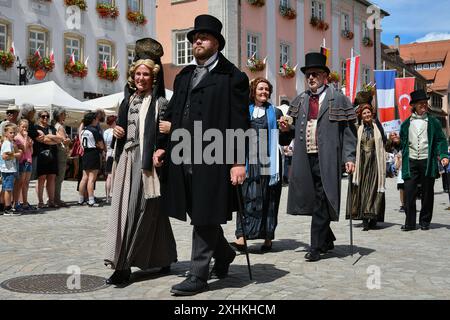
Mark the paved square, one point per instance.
(396, 264)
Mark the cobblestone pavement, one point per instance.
(402, 265)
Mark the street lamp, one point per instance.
(24, 73)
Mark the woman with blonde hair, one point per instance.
(139, 235)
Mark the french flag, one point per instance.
(385, 83)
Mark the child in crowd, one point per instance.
(25, 167)
(8, 165)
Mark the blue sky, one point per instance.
(415, 20)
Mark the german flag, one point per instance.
(326, 52)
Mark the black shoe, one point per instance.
(365, 225)
(402, 209)
(164, 270)
(312, 256)
(406, 228)
(119, 277)
(237, 246)
(190, 286)
(265, 248)
(220, 269)
(327, 247)
(424, 227)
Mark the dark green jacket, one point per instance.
(437, 146)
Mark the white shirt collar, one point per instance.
(211, 59)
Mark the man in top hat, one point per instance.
(211, 93)
(325, 139)
(422, 142)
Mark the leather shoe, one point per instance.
(424, 227)
(119, 277)
(265, 248)
(164, 270)
(312, 256)
(406, 228)
(190, 286)
(220, 270)
(327, 247)
(237, 246)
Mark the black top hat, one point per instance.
(148, 48)
(208, 24)
(315, 60)
(418, 95)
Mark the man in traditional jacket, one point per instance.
(213, 93)
(325, 137)
(422, 142)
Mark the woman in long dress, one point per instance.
(262, 187)
(139, 234)
(366, 196)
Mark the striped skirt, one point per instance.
(139, 235)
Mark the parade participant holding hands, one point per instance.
(139, 232)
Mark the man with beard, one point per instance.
(212, 93)
(325, 137)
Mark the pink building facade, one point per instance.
(277, 36)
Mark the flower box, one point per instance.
(255, 64)
(136, 17)
(287, 12)
(110, 74)
(367, 42)
(36, 62)
(287, 72)
(257, 3)
(334, 77)
(107, 11)
(319, 24)
(369, 88)
(6, 59)
(79, 3)
(347, 34)
(76, 70)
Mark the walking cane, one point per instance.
(351, 221)
(241, 221)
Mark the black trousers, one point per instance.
(321, 233)
(207, 241)
(417, 169)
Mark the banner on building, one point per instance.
(352, 73)
(385, 84)
(403, 89)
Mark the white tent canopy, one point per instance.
(42, 95)
(112, 101)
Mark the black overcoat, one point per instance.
(337, 145)
(220, 101)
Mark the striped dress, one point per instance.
(139, 235)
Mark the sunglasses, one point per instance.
(45, 116)
(314, 74)
(11, 112)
